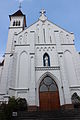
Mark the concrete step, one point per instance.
(53, 115)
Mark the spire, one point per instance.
(43, 17)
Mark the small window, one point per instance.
(14, 23)
(46, 60)
(19, 23)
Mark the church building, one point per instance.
(41, 64)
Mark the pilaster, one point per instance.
(65, 84)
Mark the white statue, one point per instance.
(46, 61)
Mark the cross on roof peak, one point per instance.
(43, 16)
(42, 11)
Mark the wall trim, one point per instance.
(47, 68)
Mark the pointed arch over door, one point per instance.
(48, 94)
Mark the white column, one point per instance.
(65, 85)
(32, 70)
(58, 42)
(32, 80)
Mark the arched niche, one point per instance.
(23, 70)
(70, 68)
(46, 60)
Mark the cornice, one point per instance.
(44, 44)
(22, 45)
(47, 68)
(68, 44)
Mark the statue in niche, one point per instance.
(46, 61)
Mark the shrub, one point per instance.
(10, 107)
(75, 100)
(22, 104)
(14, 105)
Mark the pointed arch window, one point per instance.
(19, 23)
(46, 60)
(48, 85)
(14, 23)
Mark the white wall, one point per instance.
(28, 47)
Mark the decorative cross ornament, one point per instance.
(19, 5)
(43, 17)
(42, 12)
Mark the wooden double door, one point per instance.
(48, 95)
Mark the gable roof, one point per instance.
(52, 24)
(18, 13)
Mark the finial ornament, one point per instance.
(19, 5)
(43, 17)
(42, 12)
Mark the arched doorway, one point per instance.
(48, 95)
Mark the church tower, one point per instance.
(17, 25)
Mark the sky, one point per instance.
(65, 13)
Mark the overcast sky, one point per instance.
(65, 13)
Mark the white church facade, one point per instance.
(40, 64)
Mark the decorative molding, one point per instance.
(6, 96)
(22, 45)
(32, 53)
(32, 31)
(44, 44)
(60, 52)
(19, 89)
(75, 87)
(8, 53)
(14, 27)
(47, 68)
(48, 48)
(2, 94)
(68, 44)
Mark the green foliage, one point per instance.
(76, 100)
(10, 107)
(21, 104)
(2, 116)
(14, 105)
